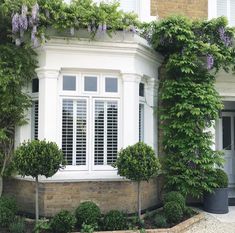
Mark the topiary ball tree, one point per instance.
(38, 158)
(138, 163)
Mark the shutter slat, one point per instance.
(222, 6)
(232, 13)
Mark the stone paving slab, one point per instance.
(215, 223)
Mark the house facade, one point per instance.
(95, 97)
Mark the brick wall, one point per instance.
(191, 8)
(107, 195)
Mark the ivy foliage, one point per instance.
(194, 52)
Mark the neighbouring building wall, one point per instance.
(191, 8)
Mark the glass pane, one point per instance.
(35, 85)
(69, 83)
(111, 85)
(226, 121)
(90, 84)
(141, 90)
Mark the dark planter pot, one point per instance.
(216, 202)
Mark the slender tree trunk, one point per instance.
(1, 185)
(36, 200)
(139, 200)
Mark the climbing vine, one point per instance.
(193, 53)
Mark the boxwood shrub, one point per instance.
(63, 222)
(8, 210)
(173, 212)
(114, 220)
(88, 213)
(175, 197)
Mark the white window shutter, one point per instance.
(232, 13)
(222, 6)
(106, 132)
(141, 122)
(67, 131)
(35, 119)
(81, 142)
(128, 5)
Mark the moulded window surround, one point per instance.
(69, 83)
(90, 83)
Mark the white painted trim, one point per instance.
(212, 9)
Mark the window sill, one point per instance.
(78, 176)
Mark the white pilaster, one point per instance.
(150, 94)
(130, 109)
(212, 11)
(48, 105)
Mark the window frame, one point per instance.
(75, 167)
(90, 96)
(104, 167)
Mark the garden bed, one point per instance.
(179, 228)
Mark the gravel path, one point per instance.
(212, 225)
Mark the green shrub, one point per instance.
(89, 213)
(63, 222)
(175, 197)
(160, 221)
(87, 228)
(114, 220)
(221, 178)
(188, 212)
(42, 225)
(173, 212)
(6, 217)
(18, 226)
(134, 222)
(9, 203)
(8, 210)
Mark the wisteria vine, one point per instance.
(103, 18)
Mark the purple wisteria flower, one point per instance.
(132, 28)
(15, 23)
(210, 61)
(104, 27)
(225, 38)
(23, 22)
(35, 11)
(100, 27)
